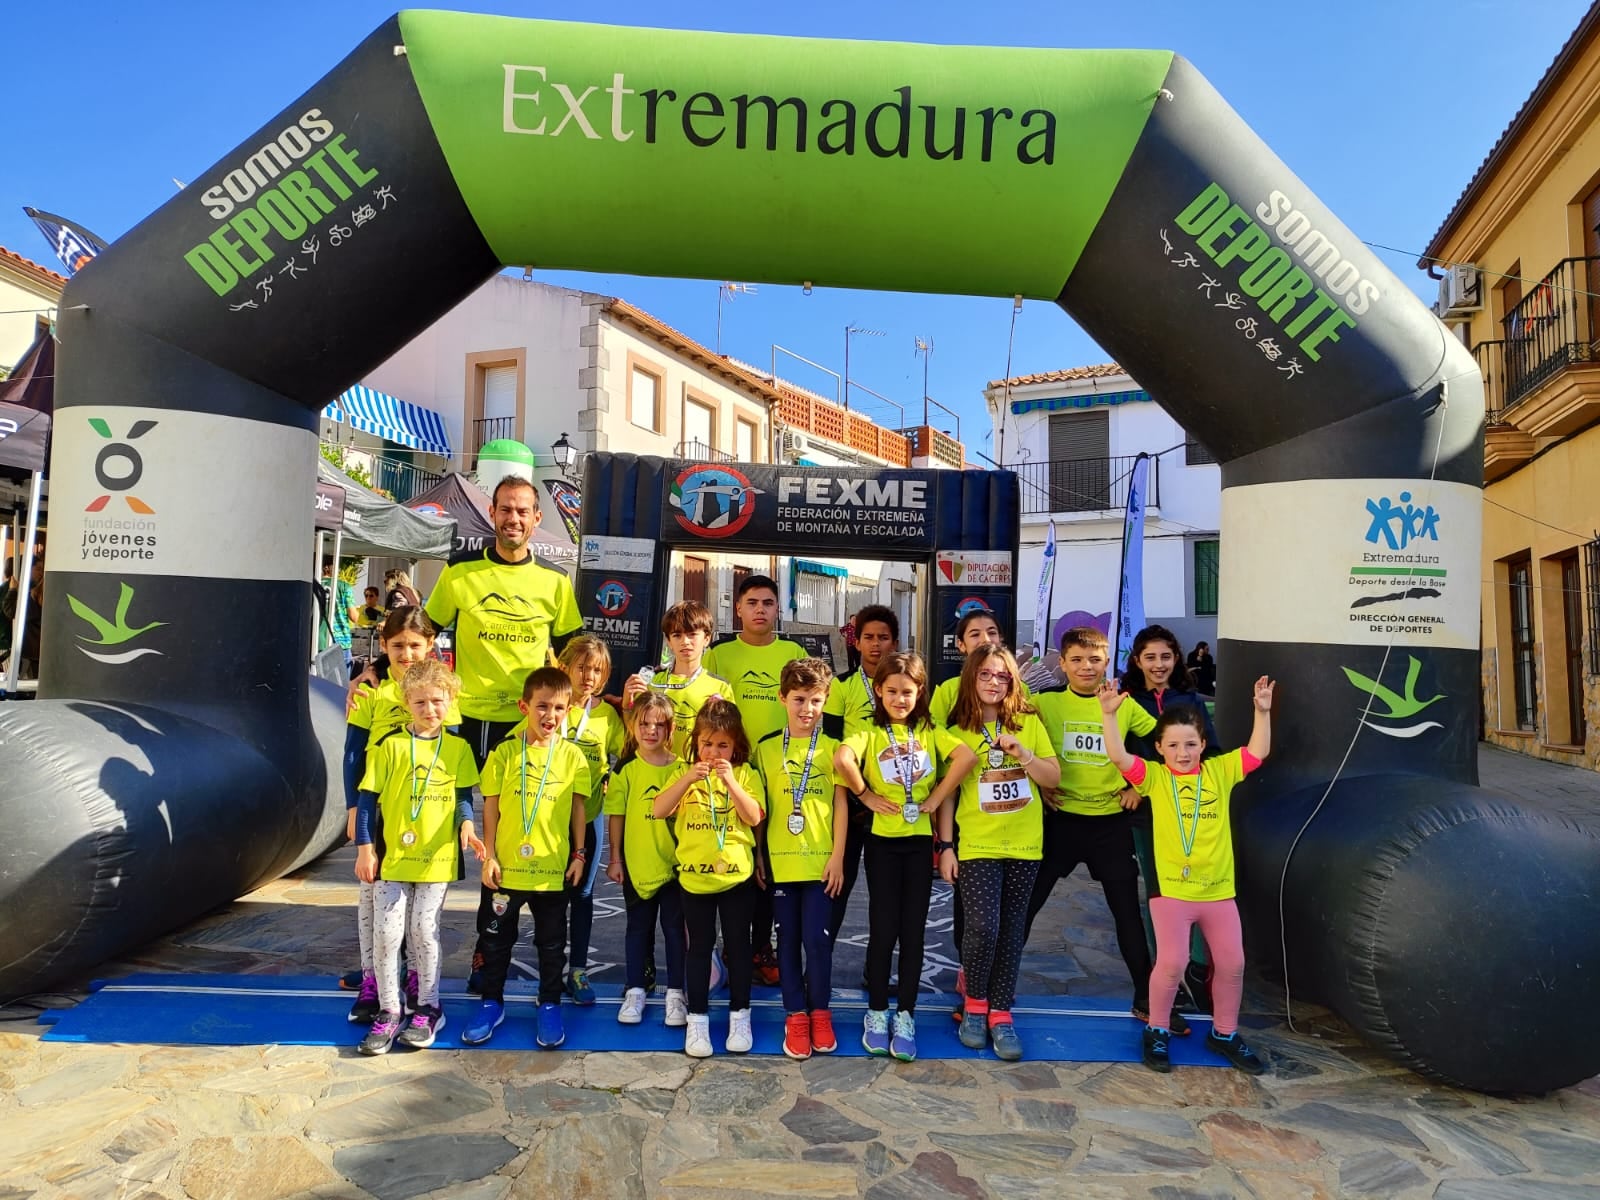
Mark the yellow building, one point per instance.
(28, 297)
(1519, 257)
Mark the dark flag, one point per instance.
(74, 245)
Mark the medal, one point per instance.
(797, 791)
(408, 838)
(1186, 837)
(906, 762)
(996, 756)
(911, 810)
(526, 850)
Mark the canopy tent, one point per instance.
(457, 496)
(373, 525)
(27, 402)
(386, 416)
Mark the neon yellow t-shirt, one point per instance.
(753, 672)
(851, 698)
(688, 695)
(649, 851)
(1172, 813)
(533, 840)
(943, 701)
(600, 736)
(1090, 785)
(504, 615)
(886, 767)
(416, 780)
(715, 847)
(798, 858)
(999, 810)
(381, 710)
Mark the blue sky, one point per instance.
(1384, 108)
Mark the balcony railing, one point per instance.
(698, 451)
(1491, 358)
(1550, 328)
(489, 429)
(402, 480)
(1082, 484)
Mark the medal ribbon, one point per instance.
(720, 828)
(666, 685)
(906, 781)
(797, 792)
(991, 742)
(418, 792)
(529, 817)
(1187, 840)
(576, 735)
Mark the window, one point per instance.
(1572, 629)
(744, 441)
(699, 429)
(1591, 570)
(1207, 560)
(644, 398)
(1524, 678)
(815, 599)
(1194, 454)
(1080, 461)
(694, 578)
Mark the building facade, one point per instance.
(1518, 263)
(1073, 437)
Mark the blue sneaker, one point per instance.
(903, 1041)
(1007, 1045)
(875, 1032)
(481, 1027)
(1235, 1051)
(580, 989)
(549, 1031)
(974, 1031)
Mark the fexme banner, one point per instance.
(24, 434)
(887, 510)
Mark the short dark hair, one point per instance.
(967, 618)
(883, 615)
(1179, 714)
(750, 583)
(514, 481)
(687, 616)
(546, 679)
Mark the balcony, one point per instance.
(1082, 485)
(1546, 382)
(403, 481)
(489, 429)
(698, 451)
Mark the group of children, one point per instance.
(743, 786)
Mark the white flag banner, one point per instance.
(1047, 580)
(1130, 591)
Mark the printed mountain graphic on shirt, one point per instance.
(759, 678)
(505, 608)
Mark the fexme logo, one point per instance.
(834, 126)
(1400, 707)
(713, 501)
(128, 460)
(115, 632)
(613, 598)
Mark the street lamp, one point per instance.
(848, 330)
(925, 349)
(565, 454)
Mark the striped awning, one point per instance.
(386, 416)
(804, 566)
(1086, 400)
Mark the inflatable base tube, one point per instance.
(124, 821)
(1456, 929)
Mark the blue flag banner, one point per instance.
(1047, 579)
(1130, 592)
(74, 245)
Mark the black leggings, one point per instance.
(900, 886)
(700, 914)
(994, 892)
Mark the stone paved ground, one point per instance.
(1333, 1119)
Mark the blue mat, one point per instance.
(254, 1010)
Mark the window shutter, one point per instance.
(1079, 435)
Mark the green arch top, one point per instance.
(946, 169)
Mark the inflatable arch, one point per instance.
(173, 760)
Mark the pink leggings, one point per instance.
(1219, 925)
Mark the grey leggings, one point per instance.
(409, 912)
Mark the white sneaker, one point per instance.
(677, 1008)
(739, 1038)
(697, 1037)
(632, 1010)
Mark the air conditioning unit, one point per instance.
(1460, 292)
(799, 443)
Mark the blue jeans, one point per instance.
(640, 940)
(803, 912)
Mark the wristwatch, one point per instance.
(941, 847)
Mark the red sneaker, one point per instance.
(797, 1036)
(764, 967)
(823, 1040)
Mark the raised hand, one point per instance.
(1110, 696)
(1264, 688)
